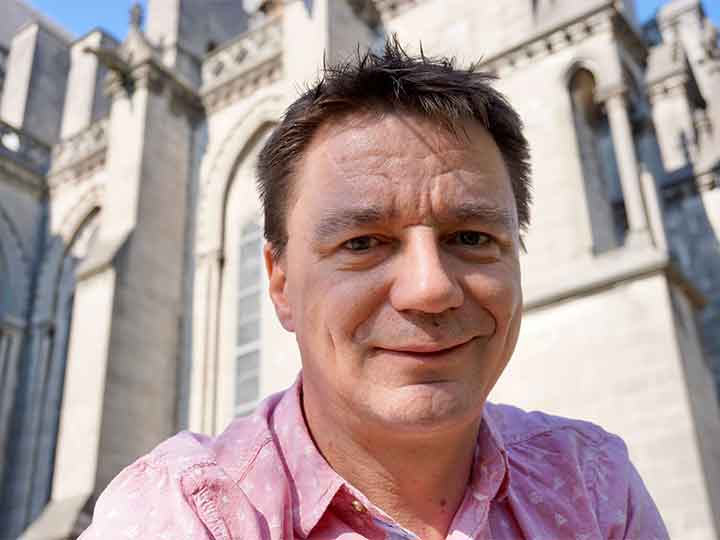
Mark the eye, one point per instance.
(470, 238)
(361, 243)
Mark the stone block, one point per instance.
(85, 101)
(35, 84)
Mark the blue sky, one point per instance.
(81, 16)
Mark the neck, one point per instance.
(418, 481)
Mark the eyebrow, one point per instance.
(345, 219)
(349, 218)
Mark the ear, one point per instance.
(277, 278)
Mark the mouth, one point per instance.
(426, 350)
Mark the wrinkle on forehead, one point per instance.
(377, 169)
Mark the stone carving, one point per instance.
(75, 157)
(136, 15)
(251, 61)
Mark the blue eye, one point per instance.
(471, 238)
(361, 243)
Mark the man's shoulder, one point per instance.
(233, 450)
(520, 428)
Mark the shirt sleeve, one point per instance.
(143, 502)
(643, 518)
(625, 509)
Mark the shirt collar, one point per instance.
(315, 484)
(491, 471)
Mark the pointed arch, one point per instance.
(219, 167)
(597, 157)
(88, 203)
(227, 197)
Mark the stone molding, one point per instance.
(148, 72)
(605, 18)
(242, 66)
(158, 79)
(79, 156)
(670, 86)
(604, 272)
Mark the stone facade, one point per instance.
(131, 290)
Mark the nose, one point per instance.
(422, 282)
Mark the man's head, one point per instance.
(391, 82)
(394, 192)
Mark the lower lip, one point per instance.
(428, 355)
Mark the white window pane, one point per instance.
(248, 307)
(248, 331)
(249, 276)
(250, 253)
(247, 380)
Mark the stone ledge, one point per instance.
(609, 270)
(604, 17)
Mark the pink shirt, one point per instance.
(535, 476)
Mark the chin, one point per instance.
(429, 407)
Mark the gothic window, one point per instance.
(247, 347)
(606, 207)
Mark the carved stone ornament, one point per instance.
(136, 15)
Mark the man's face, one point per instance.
(401, 277)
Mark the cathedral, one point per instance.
(132, 293)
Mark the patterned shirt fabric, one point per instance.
(535, 477)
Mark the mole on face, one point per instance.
(443, 502)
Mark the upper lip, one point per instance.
(426, 348)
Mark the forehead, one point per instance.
(402, 164)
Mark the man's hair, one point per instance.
(432, 88)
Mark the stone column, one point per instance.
(622, 136)
(85, 102)
(203, 387)
(120, 384)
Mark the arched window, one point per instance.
(249, 285)
(55, 350)
(606, 207)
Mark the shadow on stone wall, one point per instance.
(695, 247)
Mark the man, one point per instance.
(395, 193)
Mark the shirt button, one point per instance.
(358, 506)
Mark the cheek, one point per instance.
(498, 291)
(336, 306)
